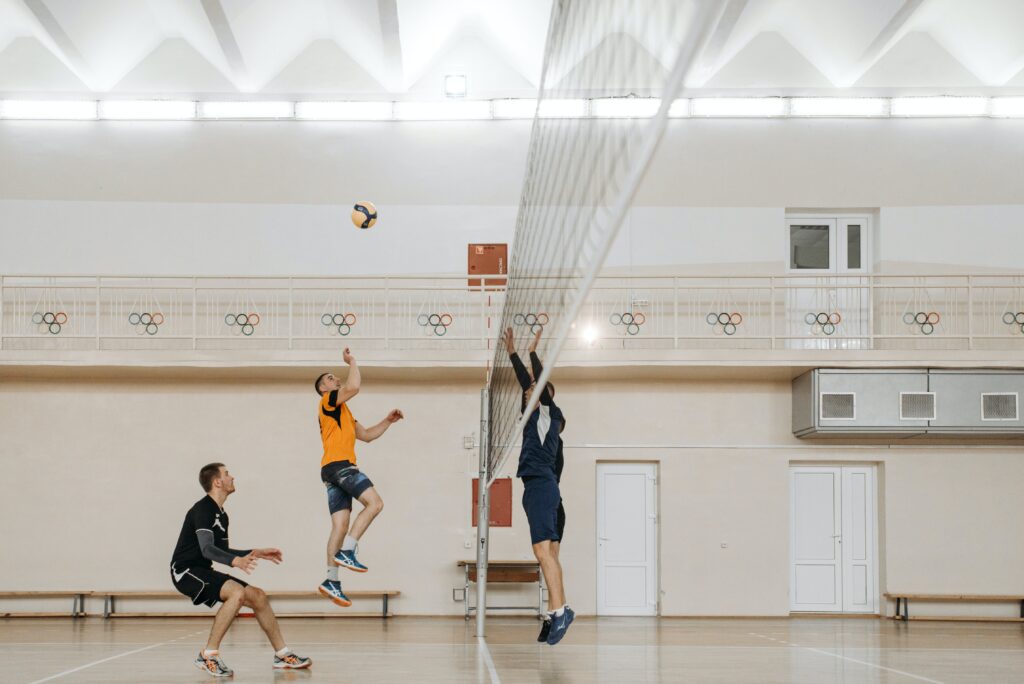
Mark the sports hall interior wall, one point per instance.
(114, 456)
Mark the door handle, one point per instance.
(603, 538)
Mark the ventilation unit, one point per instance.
(907, 402)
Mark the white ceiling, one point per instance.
(365, 49)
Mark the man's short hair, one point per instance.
(208, 474)
(316, 385)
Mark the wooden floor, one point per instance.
(410, 650)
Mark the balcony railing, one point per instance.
(394, 313)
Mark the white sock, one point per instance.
(283, 652)
(350, 543)
(209, 652)
(332, 572)
(559, 611)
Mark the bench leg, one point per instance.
(108, 606)
(896, 611)
(906, 601)
(1022, 609)
(385, 615)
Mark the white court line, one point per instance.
(487, 659)
(854, 660)
(114, 657)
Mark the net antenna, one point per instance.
(583, 171)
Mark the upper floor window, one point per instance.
(827, 244)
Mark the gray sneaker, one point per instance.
(213, 665)
(290, 661)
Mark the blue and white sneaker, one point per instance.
(560, 625)
(347, 559)
(332, 590)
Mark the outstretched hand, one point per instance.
(536, 339)
(245, 563)
(395, 416)
(347, 357)
(272, 555)
(510, 343)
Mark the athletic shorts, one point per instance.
(560, 523)
(201, 585)
(540, 501)
(344, 482)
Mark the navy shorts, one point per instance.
(540, 501)
(201, 585)
(560, 524)
(344, 482)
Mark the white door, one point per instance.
(832, 543)
(627, 563)
(828, 306)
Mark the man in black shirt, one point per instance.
(203, 540)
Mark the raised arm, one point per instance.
(371, 433)
(538, 368)
(522, 375)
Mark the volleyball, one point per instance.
(364, 214)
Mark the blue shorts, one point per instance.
(344, 482)
(540, 501)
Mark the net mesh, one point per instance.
(583, 171)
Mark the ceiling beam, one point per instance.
(391, 42)
(218, 18)
(884, 40)
(708, 60)
(62, 46)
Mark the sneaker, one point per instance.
(347, 559)
(213, 665)
(332, 590)
(559, 625)
(291, 662)
(545, 629)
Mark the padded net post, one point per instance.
(483, 518)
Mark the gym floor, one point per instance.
(423, 650)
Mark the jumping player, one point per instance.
(339, 431)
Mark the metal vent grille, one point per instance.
(838, 406)
(917, 406)
(999, 407)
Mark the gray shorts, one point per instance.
(344, 482)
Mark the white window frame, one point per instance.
(838, 256)
(981, 407)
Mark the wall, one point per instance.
(272, 198)
(102, 470)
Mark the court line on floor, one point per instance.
(852, 660)
(113, 657)
(487, 659)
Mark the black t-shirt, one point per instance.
(204, 515)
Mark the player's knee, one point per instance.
(255, 597)
(377, 505)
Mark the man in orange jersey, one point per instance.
(339, 431)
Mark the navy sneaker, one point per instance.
(332, 590)
(545, 629)
(347, 559)
(290, 661)
(560, 625)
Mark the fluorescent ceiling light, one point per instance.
(514, 109)
(1008, 106)
(624, 107)
(344, 111)
(738, 106)
(147, 109)
(455, 85)
(563, 109)
(679, 108)
(939, 106)
(838, 106)
(443, 111)
(48, 109)
(246, 110)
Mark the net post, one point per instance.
(483, 517)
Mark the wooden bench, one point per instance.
(504, 572)
(904, 599)
(77, 602)
(110, 603)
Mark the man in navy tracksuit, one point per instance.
(541, 496)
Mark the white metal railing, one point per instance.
(204, 313)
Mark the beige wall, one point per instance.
(96, 474)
